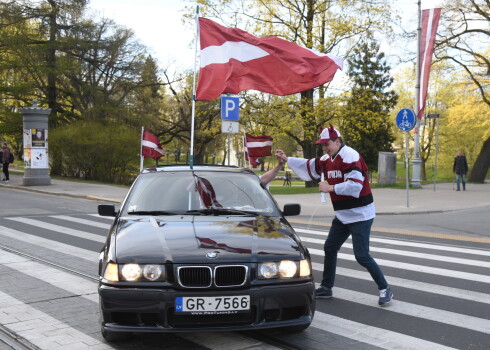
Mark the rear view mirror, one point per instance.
(291, 209)
(107, 210)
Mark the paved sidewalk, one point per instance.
(387, 200)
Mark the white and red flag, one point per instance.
(150, 146)
(258, 146)
(430, 21)
(233, 60)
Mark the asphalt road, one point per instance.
(435, 263)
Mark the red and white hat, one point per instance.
(327, 134)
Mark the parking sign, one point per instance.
(230, 108)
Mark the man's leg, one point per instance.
(337, 235)
(463, 180)
(5, 171)
(360, 232)
(457, 182)
(7, 174)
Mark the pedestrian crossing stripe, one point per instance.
(433, 246)
(398, 252)
(61, 229)
(49, 244)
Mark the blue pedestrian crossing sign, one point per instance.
(230, 108)
(405, 119)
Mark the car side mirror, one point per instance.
(291, 209)
(107, 210)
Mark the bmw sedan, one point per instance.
(202, 249)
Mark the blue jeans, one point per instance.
(463, 180)
(338, 234)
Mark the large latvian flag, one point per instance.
(233, 60)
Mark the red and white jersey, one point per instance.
(352, 199)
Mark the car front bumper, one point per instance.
(153, 310)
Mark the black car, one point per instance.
(202, 249)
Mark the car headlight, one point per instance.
(304, 268)
(111, 272)
(131, 272)
(152, 272)
(268, 270)
(287, 269)
(134, 272)
(283, 269)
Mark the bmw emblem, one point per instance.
(212, 255)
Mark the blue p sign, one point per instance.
(230, 108)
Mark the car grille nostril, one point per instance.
(202, 276)
(195, 277)
(227, 276)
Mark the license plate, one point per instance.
(212, 305)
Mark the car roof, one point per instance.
(186, 167)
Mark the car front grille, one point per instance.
(207, 276)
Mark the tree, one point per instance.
(175, 122)
(78, 67)
(464, 35)
(366, 124)
(324, 25)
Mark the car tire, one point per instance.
(113, 337)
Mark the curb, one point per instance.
(62, 194)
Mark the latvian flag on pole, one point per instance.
(430, 21)
(256, 147)
(233, 60)
(150, 147)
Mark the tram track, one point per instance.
(18, 343)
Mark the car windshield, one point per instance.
(198, 193)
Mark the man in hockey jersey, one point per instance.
(345, 179)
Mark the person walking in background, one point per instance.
(6, 161)
(287, 179)
(460, 168)
(347, 182)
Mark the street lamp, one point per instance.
(435, 116)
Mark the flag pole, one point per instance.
(243, 144)
(191, 159)
(416, 161)
(141, 149)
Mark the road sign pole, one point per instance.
(406, 120)
(229, 151)
(406, 168)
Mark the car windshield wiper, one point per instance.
(152, 212)
(220, 211)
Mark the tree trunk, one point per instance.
(423, 172)
(480, 169)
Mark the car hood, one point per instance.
(188, 239)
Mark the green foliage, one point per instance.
(366, 124)
(95, 151)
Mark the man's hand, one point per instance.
(281, 156)
(325, 187)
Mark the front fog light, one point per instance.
(268, 270)
(152, 272)
(304, 268)
(131, 272)
(287, 268)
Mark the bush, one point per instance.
(95, 151)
